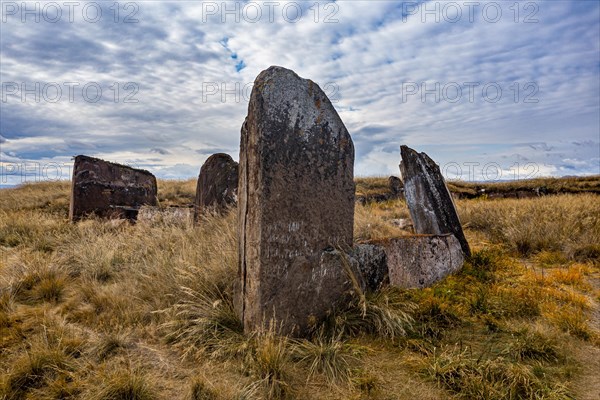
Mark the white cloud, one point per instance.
(370, 57)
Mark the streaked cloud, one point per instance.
(174, 85)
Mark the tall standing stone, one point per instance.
(109, 190)
(296, 200)
(428, 198)
(217, 185)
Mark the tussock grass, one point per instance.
(331, 356)
(534, 344)
(131, 384)
(572, 320)
(49, 197)
(202, 390)
(176, 192)
(268, 361)
(109, 344)
(48, 359)
(205, 321)
(495, 378)
(482, 264)
(32, 370)
(566, 223)
(372, 221)
(385, 313)
(371, 185)
(105, 309)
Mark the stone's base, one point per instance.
(418, 261)
(311, 292)
(372, 265)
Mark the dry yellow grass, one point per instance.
(109, 310)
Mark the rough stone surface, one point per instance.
(428, 198)
(109, 190)
(372, 263)
(217, 185)
(418, 261)
(296, 199)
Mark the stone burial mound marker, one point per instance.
(217, 185)
(439, 246)
(428, 198)
(296, 204)
(419, 261)
(109, 190)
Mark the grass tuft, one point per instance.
(386, 313)
(496, 378)
(204, 321)
(330, 356)
(268, 360)
(121, 385)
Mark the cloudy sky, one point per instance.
(490, 90)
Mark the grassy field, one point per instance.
(371, 187)
(107, 310)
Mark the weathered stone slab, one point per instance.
(109, 190)
(418, 261)
(372, 263)
(428, 198)
(217, 185)
(296, 199)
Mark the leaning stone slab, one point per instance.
(428, 198)
(296, 199)
(109, 190)
(418, 261)
(217, 185)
